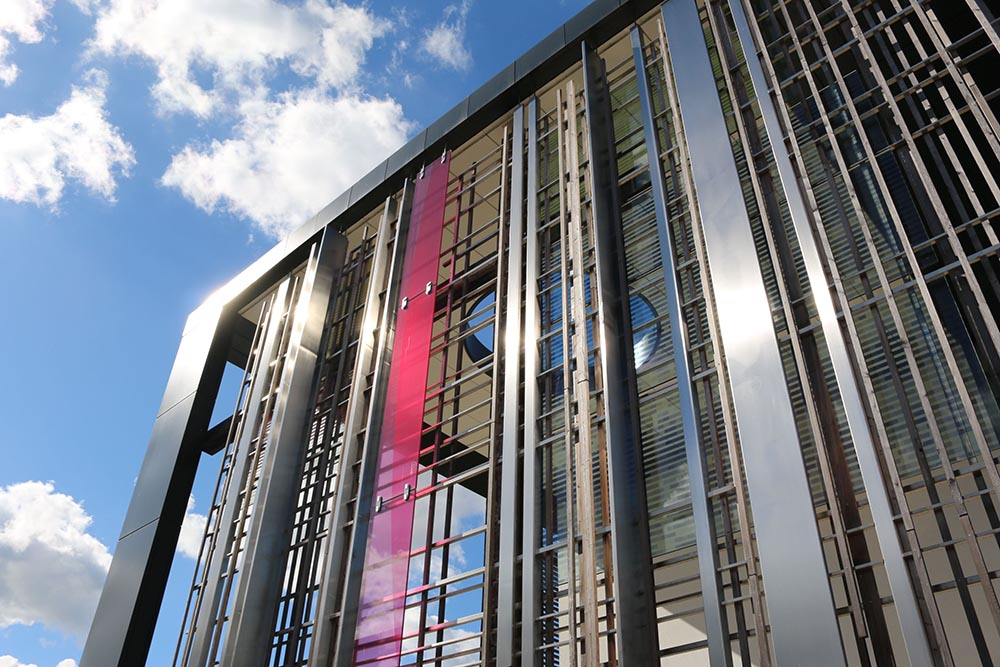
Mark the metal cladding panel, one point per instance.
(380, 617)
(125, 618)
(716, 626)
(803, 623)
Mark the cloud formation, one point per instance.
(445, 42)
(51, 569)
(11, 661)
(192, 532)
(236, 44)
(289, 157)
(38, 155)
(24, 20)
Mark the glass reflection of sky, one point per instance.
(645, 339)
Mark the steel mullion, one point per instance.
(716, 626)
(880, 638)
(738, 284)
(357, 459)
(566, 108)
(265, 545)
(701, 261)
(922, 573)
(206, 617)
(991, 594)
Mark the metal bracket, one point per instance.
(378, 504)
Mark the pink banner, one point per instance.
(384, 582)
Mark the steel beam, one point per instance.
(803, 622)
(635, 628)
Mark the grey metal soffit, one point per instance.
(803, 622)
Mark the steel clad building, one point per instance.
(676, 343)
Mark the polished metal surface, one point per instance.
(328, 599)
(716, 625)
(904, 598)
(803, 622)
(529, 509)
(256, 599)
(203, 643)
(511, 350)
(633, 580)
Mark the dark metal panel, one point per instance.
(369, 349)
(189, 364)
(174, 446)
(534, 57)
(249, 637)
(492, 89)
(904, 598)
(511, 350)
(369, 181)
(589, 16)
(529, 513)
(716, 625)
(409, 153)
(803, 623)
(437, 130)
(126, 614)
(633, 580)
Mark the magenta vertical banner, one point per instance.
(384, 582)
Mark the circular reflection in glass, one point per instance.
(644, 341)
(480, 344)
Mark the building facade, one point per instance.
(674, 344)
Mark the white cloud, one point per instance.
(11, 661)
(236, 43)
(51, 569)
(20, 19)
(192, 532)
(38, 155)
(445, 42)
(289, 157)
(23, 20)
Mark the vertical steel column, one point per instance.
(372, 365)
(248, 640)
(716, 625)
(803, 622)
(904, 598)
(130, 601)
(208, 606)
(529, 512)
(633, 579)
(507, 577)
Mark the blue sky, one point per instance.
(149, 150)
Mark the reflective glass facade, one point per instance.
(676, 344)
